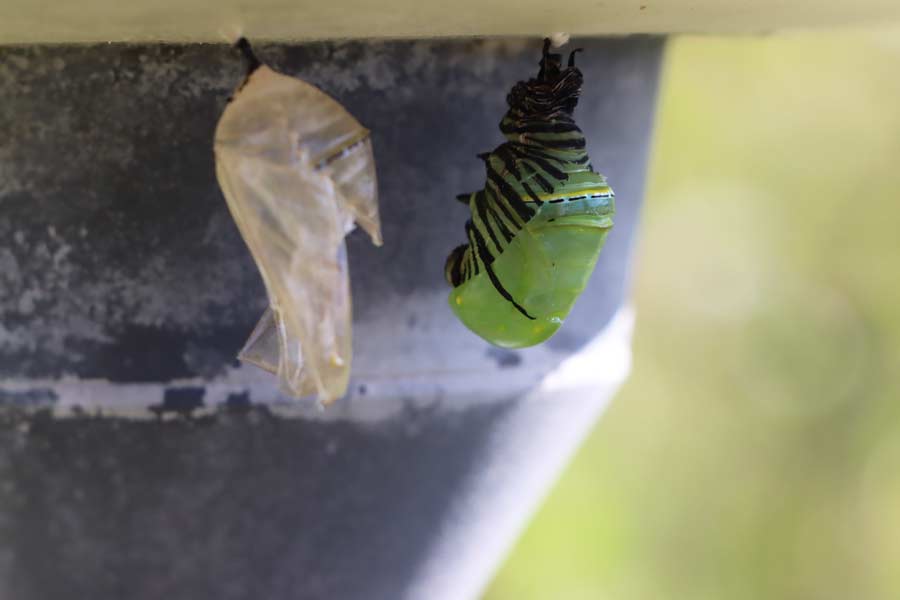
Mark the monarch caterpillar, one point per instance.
(539, 224)
(297, 170)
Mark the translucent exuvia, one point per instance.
(297, 171)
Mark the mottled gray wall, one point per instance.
(124, 282)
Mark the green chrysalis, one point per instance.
(538, 225)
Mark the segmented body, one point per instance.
(540, 185)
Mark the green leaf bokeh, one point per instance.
(755, 451)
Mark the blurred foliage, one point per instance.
(755, 451)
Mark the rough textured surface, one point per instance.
(126, 287)
(120, 258)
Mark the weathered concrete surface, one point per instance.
(120, 260)
(124, 285)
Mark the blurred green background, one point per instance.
(755, 451)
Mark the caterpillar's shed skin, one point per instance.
(297, 171)
(539, 224)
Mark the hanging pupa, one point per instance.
(297, 171)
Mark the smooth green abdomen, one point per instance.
(545, 268)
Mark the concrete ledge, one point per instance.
(26, 21)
